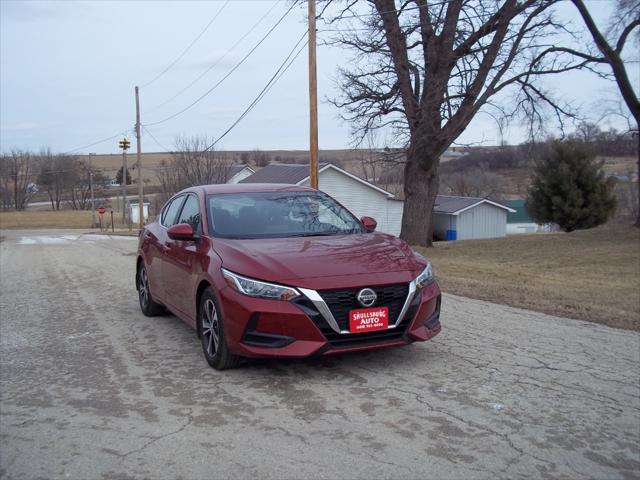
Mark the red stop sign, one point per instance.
(101, 210)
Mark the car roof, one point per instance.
(248, 188)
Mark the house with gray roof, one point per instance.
(237, 173)
(464, 218)
(454, 217)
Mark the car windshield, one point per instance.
(278, 214)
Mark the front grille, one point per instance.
(341, 302)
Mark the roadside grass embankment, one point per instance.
(588, 275)
(35, 219)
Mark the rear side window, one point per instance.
(191, 213)
(171, 211)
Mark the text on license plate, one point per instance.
(368, 319)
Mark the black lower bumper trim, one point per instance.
(268, 340)
(260, 339)
(434, 320)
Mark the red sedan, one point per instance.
(282, 271)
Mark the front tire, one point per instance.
(147, 305)
(211, 327)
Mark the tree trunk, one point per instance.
(420, 190)
(15, 186)
(638, 216)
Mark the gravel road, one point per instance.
(90, 388)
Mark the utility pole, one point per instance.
(139, 155)
(93, 201)
(313, 97)
(124, 145)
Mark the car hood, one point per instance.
(284, 259)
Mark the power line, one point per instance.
(248, 32)
(186, 49)
(293, 4)
(124, 133)
(155, 139)
(284, 66)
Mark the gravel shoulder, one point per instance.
(90, 388)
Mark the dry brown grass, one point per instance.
(34, 219)
(622, 165)
(590, 275)
(45, 219)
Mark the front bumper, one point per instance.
(268, 328)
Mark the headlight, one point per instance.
(256, 288)
(425, 278)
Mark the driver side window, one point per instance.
(171, 211)
(191, 213)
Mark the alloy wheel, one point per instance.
(210, 327)
(143, 287)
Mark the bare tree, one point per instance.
(426, 68)
(80, 185)
(57, 175)
(6, 190)
(192, 164)
(604, 142)
(17, 174)
(611, 50)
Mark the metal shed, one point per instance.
(464, 218)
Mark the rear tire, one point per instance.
(212, 337)
(147, 305)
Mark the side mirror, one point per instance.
(369, 223)
(182, 231)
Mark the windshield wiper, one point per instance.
(313, 234)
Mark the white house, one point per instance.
(359, 196)
(461, 217)
(237, 173)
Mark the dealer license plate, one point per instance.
(368, 319)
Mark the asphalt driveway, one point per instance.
(90, 388)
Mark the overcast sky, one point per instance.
(68, 70)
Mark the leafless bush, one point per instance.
(192, 164)
(258, 158)
(474, 182)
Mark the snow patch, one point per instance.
(26, 241)
(69, 239)
(108, 237)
